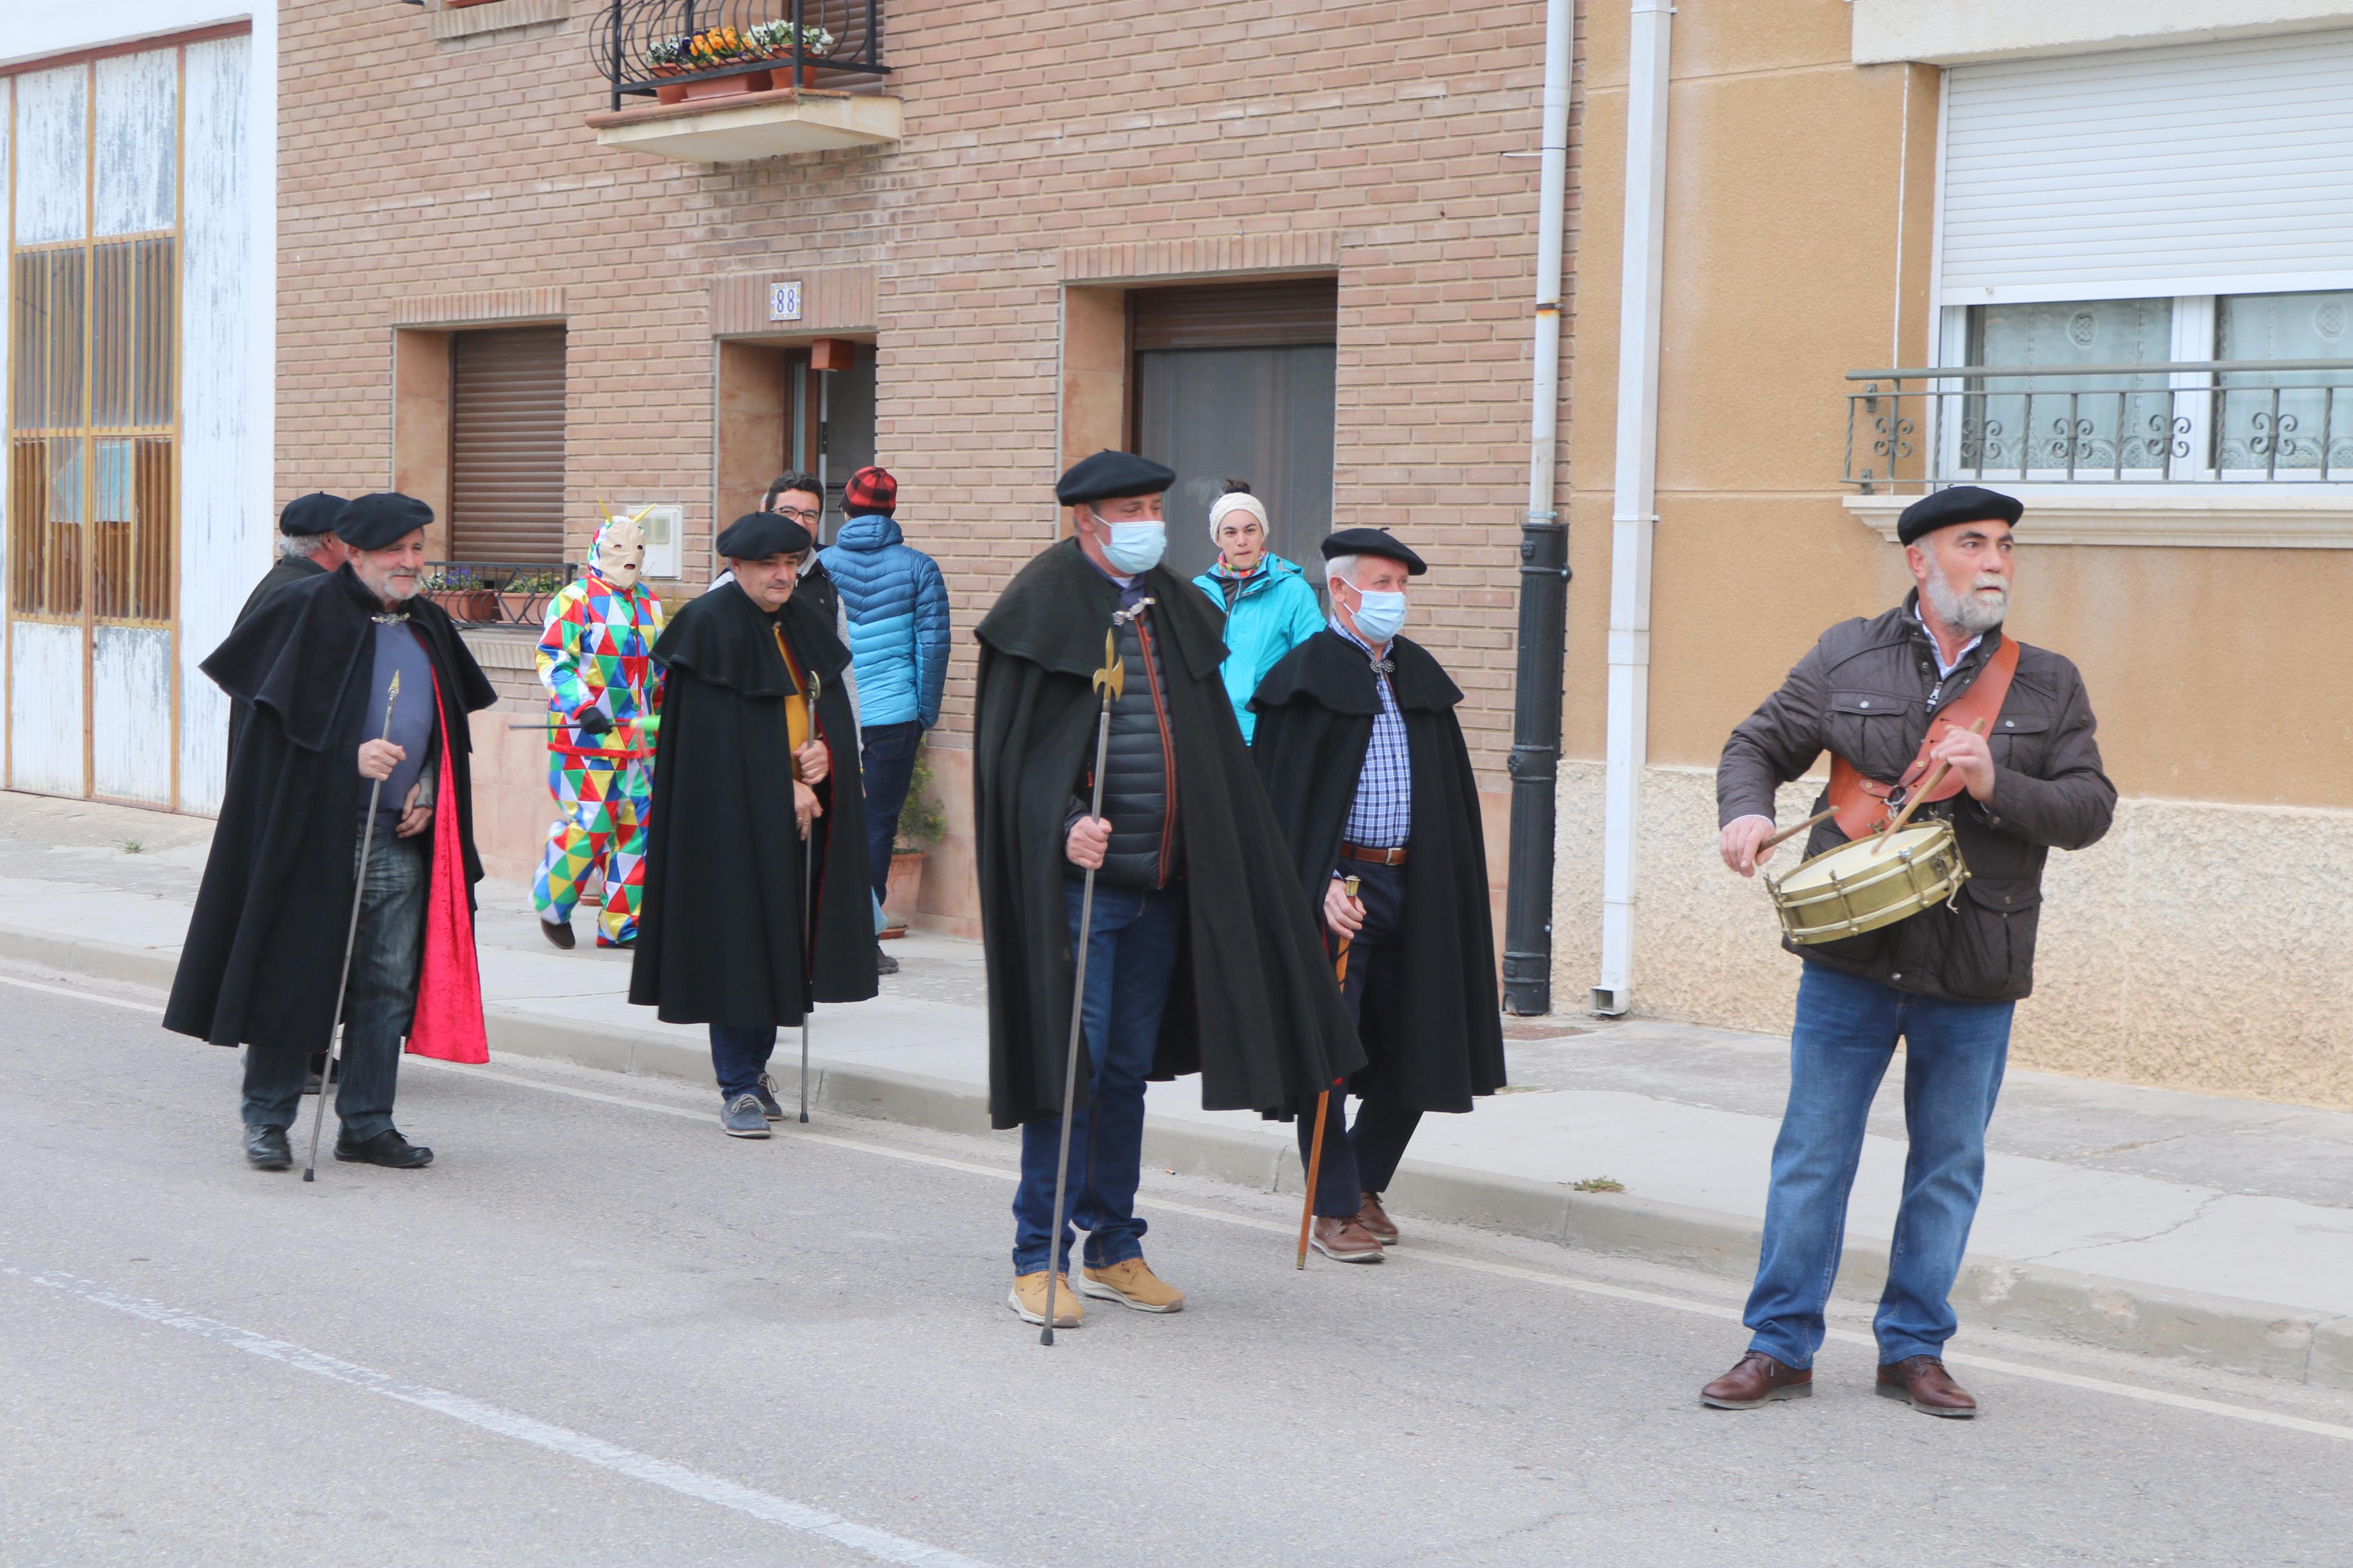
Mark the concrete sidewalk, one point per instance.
(2219, 1231)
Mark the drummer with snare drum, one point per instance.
(1926, 935)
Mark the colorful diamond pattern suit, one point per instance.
(596, 654)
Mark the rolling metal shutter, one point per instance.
(1237, 315)
(2192, 169)
(506, 418)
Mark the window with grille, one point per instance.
(92, 499)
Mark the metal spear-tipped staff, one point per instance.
(1109, 682)
(351, 940)
(1322, 1100)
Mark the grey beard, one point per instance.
(1964, 610)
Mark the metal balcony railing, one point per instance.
(645, 46)
(2177, 422)
(496, 593)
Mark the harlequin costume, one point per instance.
(595, 659)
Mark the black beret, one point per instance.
(756, 535)
(380, 520)
(308, 516)
(1372, 541)
(1107, 475)
(1962, 503)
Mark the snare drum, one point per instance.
(1850, 890)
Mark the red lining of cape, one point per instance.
(448, 1022)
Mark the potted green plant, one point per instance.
(524, 598)
(921, 821)
(775, 39)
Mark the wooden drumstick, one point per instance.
(1923, 793)
(1794, 829)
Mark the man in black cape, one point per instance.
(265, 948)
(748, 918)
(308, 547)
(1203, 955)
(1364, 763)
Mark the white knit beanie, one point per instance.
(1239, 501)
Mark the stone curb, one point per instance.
(2296, 1344)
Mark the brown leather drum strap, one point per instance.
(1862, 802)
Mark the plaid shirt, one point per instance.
(1381, 817)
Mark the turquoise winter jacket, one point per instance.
(1273, 611)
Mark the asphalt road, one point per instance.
(598, 1332)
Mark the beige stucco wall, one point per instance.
(2196, 946)
(2205, 943)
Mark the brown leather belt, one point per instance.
(1377, 857)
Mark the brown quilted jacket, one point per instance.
(1867, 691)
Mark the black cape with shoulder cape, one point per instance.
(265, 945)
(288, 571)
(1315, 715)
(721, 938)
(1252, 1007)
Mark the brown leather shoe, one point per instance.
(1345, 1241)
(1757, 1379)
(1377, 1222)
(1922, 1382)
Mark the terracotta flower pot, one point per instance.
(741, 81)
(461, 4)
(517, 607)
(905, 888)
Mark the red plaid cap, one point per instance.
(870, 491)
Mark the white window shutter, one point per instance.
(2196, 169)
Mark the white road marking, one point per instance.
(1417, 1255)
(879, 1544)
(82, 995)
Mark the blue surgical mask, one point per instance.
(1135, 546)
(1379, 616)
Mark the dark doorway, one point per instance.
(1235, 381)
(830, 427)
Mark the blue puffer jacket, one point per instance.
(897, 606)
(1274, 612)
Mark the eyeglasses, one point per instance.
(806, 519)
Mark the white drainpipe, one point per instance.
(1633, 514)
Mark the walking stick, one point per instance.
(808, 907)
(1322, 1100)
(1109, 682)
(350, 939)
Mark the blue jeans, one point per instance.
(1130, 953)
(378, 1003)
(739, 1055)
(886, 762)
(1846, 1031)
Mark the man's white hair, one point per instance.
(302, 546)
(1342, 568)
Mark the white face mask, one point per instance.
(1379, 615)
(1135, 546)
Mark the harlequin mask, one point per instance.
(620, 550)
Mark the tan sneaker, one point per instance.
(1028, 1298)
(1131, 1284)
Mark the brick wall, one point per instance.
(412, 168)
